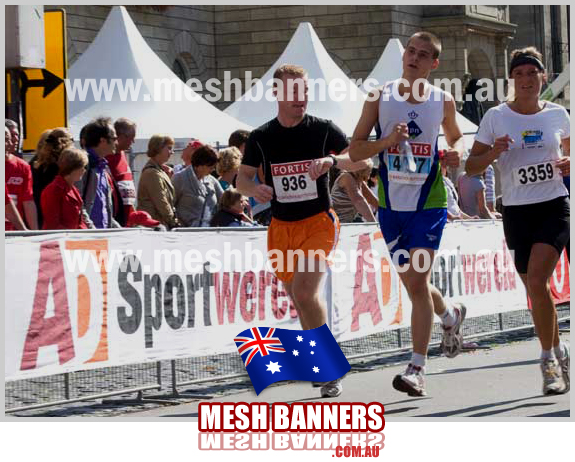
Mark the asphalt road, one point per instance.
(501, 382)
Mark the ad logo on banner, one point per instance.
(46, 330)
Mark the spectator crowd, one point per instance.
(63, 187)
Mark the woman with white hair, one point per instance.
(228, 166)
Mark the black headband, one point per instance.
(521, 59)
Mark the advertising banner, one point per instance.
(84, 301)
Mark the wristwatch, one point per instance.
(332, 157)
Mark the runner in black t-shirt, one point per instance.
(296, 151)
(285, 153)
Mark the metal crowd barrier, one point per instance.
(203, 377)
(9, 234)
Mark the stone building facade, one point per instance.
(549, 32)
(204, 41)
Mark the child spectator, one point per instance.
(62, 205)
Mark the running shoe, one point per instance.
(564, 364)
(332, 389)
(553, 383)
(452, 339)
(411, 381)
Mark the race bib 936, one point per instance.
(292, 182)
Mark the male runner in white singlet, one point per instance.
(412, 196)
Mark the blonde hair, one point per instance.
(229, 159)
(51, 145)
(157, 143)
(530, 51)
(364, 173)
(289, 69)
(429, 38)
(71, 159)
(229, 198)
(40, 145)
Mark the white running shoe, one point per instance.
(564, 364)
(452, 339)
(553, 383)
(332, 389)
(412, 381)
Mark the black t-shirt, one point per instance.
(41, 177)
(283, 153)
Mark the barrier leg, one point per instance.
(67, 385)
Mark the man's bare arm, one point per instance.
(14, 216)
(31, 214)
(360, 148)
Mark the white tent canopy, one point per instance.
(305, 49)
(389, 67)
(120, 52)
(386, 69)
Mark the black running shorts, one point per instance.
(544, 222)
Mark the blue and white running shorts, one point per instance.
(411, 230)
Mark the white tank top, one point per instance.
(528, 175)
(400, 189)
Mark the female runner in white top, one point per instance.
(529, 139)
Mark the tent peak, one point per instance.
(305, 26)
(305, 49)
(306, 31)
(120, 54)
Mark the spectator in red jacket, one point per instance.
(18, 181)
(61, 200)
(12, 214)
(120, 168)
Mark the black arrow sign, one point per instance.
(50, 82)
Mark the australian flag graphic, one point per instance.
(272, 355)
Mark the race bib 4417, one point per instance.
(397, 170)
(292, 182)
